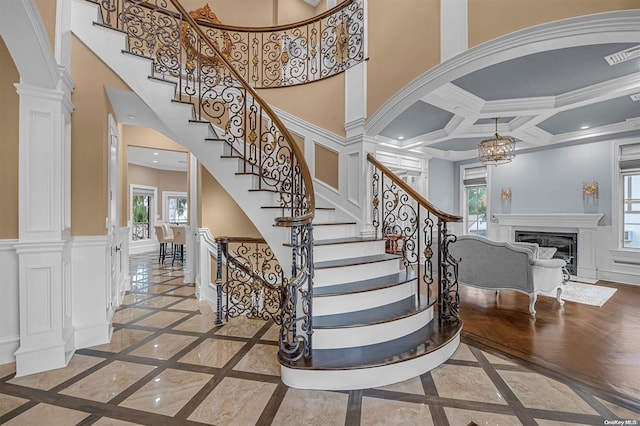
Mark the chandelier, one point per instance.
(497, 149)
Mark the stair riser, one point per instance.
(331, 305)
(329, 232)
(322, 253)
(364, 378)
(361, 272)
(324, 216)
(347, 337)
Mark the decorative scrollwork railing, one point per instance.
(292, 54)
(249, 279)
(181, 52)
(407, 221)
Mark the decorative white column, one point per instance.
(46, 334)
(454, 24)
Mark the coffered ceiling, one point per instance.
(562, 96)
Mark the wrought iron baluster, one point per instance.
(219, 283)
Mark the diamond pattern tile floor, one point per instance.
(168, 364)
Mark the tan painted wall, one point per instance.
(294, 11)
(163, 180)
(489, 19)
(9, 144)
(404, 42)
(220, 213)
(47, 9)
(256, 13)
(320, 103)
(326, 166)
(89, 134)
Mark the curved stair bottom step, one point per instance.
(370, 376)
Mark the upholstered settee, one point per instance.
(496, 265)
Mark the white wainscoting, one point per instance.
(615, 264)
(90, 274)
(9, 302)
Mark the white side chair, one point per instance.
(179, 240)
(163, 239)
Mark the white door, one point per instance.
(113, 224)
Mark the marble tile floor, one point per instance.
(167, 364)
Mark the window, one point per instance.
(177, 209)
(142, 211)
(631, 210)
(475, 200)
(630, 173)
(141, 205)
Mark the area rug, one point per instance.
(588, 294)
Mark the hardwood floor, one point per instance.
(598, 346)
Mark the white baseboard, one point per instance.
(620, 277)
(8, 348)
(143, 247)
(92, 335)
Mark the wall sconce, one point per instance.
(590, 197)
(505, 199)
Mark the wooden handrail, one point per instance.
(295, 149)
(284, 27)
(447, 217)
(240, 240)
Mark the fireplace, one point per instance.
(566, 243)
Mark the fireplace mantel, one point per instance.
(550, 220)
(583, 224)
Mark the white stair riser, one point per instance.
(364, 378)
(347, 337)
(330, 232)
(325, 216)
(351, 273)
(322, 253)
(331, 305)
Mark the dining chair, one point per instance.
(163, 239)
(179, 240)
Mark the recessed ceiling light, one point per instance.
(584, 127)
(400, 138)
(155, 153)
(131, 117)
(155, 161)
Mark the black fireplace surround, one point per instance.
(566, 243)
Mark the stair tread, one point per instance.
(279, 207)
(355, 261)
(334, 223)
(378, 315)
(421, 342)
(363, 285)
(344, 240)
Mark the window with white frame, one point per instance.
(629, 165)
(142, 212)
(474, 185)
(175, 207)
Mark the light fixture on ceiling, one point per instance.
(400, 138)
(585, 127)
(497, 149)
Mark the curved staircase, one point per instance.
(371, 324)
